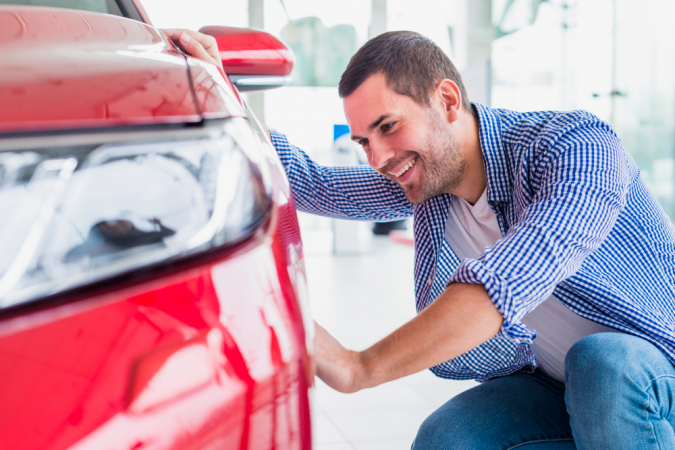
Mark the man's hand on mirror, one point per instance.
(338, 367)
(201, 46)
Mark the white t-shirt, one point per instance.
(469, 230)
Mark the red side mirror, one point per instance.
(254, 60)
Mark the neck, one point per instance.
(473, 181)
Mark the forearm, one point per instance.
(353, 192)
(462, 318)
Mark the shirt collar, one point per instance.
(499, 183)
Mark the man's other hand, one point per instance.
(338, 367)
(460, 319)
(200, 45)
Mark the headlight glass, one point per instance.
(75, 215)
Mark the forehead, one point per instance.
(373, 99)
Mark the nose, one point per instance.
(380, 154)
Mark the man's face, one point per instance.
(404, 141)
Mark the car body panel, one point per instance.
(215, 96)
(207, 353)
(176, 361)
(73, 69)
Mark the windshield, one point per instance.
(100, 6)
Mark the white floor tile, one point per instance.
(325, 432)
(423, 377)
(382, 425)
(333, 447)
(361, 299)
(394, 395)
(438, 394)
(437, 390)
(399, 444)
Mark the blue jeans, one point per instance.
(619, 393)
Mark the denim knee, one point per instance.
(601, 356)
(431, 433)
(596, 352)
(502, 413)
(619, 392)
(606, 373)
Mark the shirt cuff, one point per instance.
(473, 271)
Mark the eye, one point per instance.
(363, 142)
(386, 126)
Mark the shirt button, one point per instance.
(430, 281)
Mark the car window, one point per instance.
(101, 6)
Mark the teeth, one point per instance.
(405, 169)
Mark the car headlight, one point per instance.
(73, 215)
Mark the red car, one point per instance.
(152, 288)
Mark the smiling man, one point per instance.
(526, 225)
(544, 268)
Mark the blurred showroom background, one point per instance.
(614, 58)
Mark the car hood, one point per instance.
(62, 68)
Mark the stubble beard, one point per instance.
(442, 167)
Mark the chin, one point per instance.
(415, 197)
(417, 194)
(417, 200)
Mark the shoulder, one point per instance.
(548, 129)
(279, 140)
(578, 137)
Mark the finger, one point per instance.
(197, 44)
(207, 42)
(194, 47)
(173, 33)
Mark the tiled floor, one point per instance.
(360, 299)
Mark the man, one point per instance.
(523, 222)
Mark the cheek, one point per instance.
(407, 140)
(369, 157)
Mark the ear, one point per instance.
(450, 98)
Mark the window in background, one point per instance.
(513, 15)
(614, 58)
(351, 12)
(197, 13)
(642, 93)
(323, 36)
(442, 21)
(321, 53)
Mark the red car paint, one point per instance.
(67, 69)
(263, 55)
(206, 353)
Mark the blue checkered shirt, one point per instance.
(577, 222)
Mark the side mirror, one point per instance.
(254, 60)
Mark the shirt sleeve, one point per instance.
(350, 192)
(581, 185)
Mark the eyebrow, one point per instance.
(372, 126)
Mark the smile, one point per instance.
(405, 168)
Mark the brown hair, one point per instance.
(411, 63)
